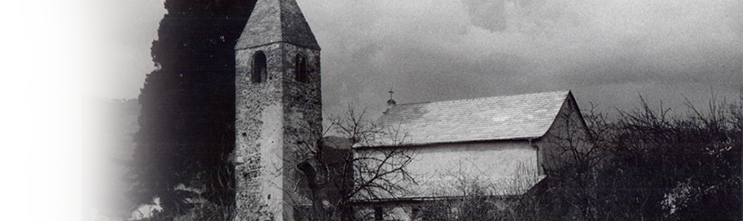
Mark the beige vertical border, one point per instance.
(53, 27)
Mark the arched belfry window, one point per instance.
(300, 68)
(259, 71)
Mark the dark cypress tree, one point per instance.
(187, 123)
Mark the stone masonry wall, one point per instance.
(303, 128)
(258, 108)
(275, 121)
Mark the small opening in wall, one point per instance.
(300, 68)
(378, 213)
(245, 134)
(260, 70)
(268, 197)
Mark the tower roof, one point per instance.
(274, 21)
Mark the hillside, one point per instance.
(108, 127)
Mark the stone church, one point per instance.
(503, 146)
(278, 109)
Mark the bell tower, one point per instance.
(278, 110)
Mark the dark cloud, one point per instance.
(607, 52)
(487, 14)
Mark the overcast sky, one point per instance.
(607, 52)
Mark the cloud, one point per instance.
(439, 50)
(430, 50)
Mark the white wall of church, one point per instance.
(498, 168)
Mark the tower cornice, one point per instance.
(270, 43)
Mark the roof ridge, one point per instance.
(483, 98)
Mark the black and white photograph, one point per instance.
(406, 110)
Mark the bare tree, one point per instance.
(652, 163)
(474, 196)
(684, 166)
(575, 150)
(339, 169)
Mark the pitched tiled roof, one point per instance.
(480, 119)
